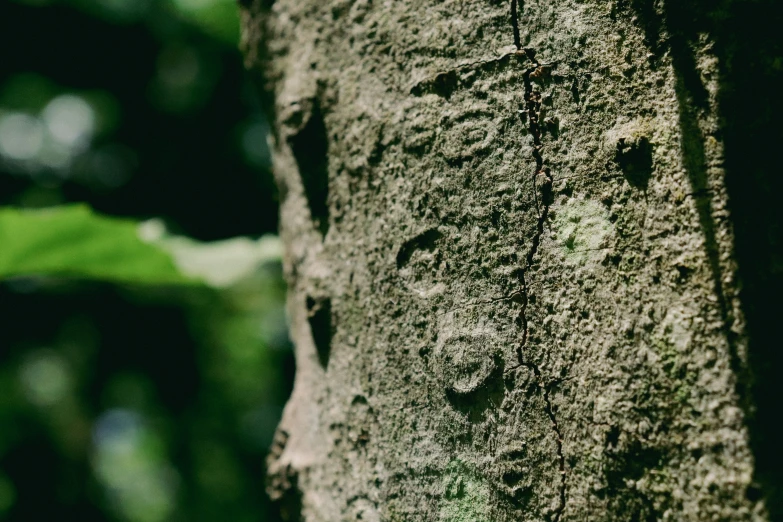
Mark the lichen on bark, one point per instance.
(527, 304)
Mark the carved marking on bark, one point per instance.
(445, 83)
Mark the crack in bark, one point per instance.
(442, 84)
(560, 457)
(532, 111)
(516, 295)
(515, 24)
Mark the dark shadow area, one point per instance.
(480, 402)
(443, 84)
(634, 156)
(423, 241)
(512, 466)
(624, 463)
(745, 37)
(320, 319)
(283, 485)
(311, 147)
(289, 503)
(750, 49)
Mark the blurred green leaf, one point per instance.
(74, 241)
(218, 18)
(7, 494)
(27, 92)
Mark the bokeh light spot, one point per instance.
(128, 462)
(45, 378)
(254, 144)
(70, 121)
(21, 136)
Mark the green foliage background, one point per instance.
(144, 359)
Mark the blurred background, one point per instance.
(144, 357)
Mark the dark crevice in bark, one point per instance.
(635, 158)
(319, 315)
(515, 23)
(542, 176)
(550, 412)
(310, 147)
(265, 5)
(283, 481)
(289, 499)
(423, 241)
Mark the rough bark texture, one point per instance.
(512, 270)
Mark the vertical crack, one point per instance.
(560, 457)
(550, 412)
(515, 25)
(542, 178)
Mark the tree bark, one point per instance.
(511, 259)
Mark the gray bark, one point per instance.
(512, 268)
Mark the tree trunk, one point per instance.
(512, 267)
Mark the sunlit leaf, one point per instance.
(74, 241)
(219, 264)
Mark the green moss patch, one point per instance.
(580, 228)
(466, 495)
